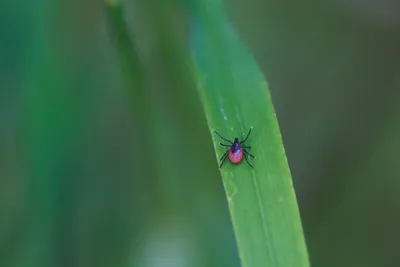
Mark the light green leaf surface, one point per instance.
(235, 96)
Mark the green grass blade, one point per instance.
(235, 96)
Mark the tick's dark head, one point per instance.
(236, 147)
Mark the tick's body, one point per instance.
(237, 150)
(235, 153)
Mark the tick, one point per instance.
(237, 150)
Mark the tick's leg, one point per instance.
(224, 144)
(223, 159)
(247, 147)
(226, 153)
(223, 137)
(248, 153)
(247, 136)
(247, 160)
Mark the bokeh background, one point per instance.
(107, 163)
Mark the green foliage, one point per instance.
(235, 96)
(177, 158)
(106, 158)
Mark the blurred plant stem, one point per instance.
(49, 126)
(178, 147)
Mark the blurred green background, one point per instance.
(105, 163)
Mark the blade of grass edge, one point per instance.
(235, 97)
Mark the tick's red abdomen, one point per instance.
(236, 157)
